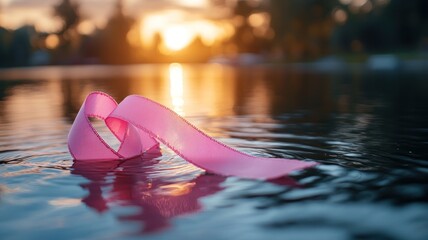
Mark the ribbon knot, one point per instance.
(140, 124)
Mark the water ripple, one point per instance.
(370, 184)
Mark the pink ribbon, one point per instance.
(139, 123)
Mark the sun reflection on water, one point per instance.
(176, 87)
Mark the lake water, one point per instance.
(368, 131)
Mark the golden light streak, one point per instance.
(176, 87)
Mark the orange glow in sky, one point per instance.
(178, 29)
(177, 37)
(173, 22)
(40, 18)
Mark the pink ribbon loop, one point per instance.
(139, 123)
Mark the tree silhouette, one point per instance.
(302, 27)
(115, 46)
(68, 11)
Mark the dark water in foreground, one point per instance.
(369, 131)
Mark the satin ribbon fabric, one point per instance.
(140, 124)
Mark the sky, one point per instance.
(15, 13)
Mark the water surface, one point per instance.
(368, 131)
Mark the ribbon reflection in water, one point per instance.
(133, 183)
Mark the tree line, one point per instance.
(293, 30)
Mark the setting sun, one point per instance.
(178, 29)
(177, 37)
